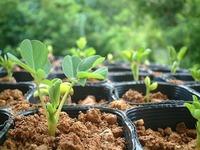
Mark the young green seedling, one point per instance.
(194, 109)
(176, 58)
(6, 63)
(149, 87)
(135, 58)
(35, 55)
(195, 73)
(81, 49)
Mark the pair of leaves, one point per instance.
(149, 85)
(35, 55)
(138, 55)
(78, 70)
(194, 108)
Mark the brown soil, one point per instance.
(7, 79)
(175, 81)
(119, 104)
(137, 97)
(14, 100)
(166, 139)
(90, 131)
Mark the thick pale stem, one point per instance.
(135, 70)
(147, 95)
(52, 123)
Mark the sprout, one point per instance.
(195, 73)
(194, 109)
(135, 58)
(149, 87)
(176, 58)
(35, 55)
(6, 63)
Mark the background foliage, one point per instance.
(109, 26)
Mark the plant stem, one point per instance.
(63, 100)
(147, 95)
(41, 98)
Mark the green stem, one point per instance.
(147, 95)
(135, 70)
(41, 98)
(63, 100)
(52, 123)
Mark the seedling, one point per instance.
(135, 58)
(149, 87)
(81, 49)
(6, 63)
(176, 58)
(110, 58)
(194, 109)
(195, 73)
(35, 55)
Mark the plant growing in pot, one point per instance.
(35, 55)
(6, 63)
(135, 58)
(194, 109)
(76, 70)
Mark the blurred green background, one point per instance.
(109, 26)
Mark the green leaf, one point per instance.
(147, 81)
(89, 52)
(69, 66)
(81, 42)
(153, 86)
(39, 75)
(82, 81)
(54, 93)
(20, 63)
(34, 53)
(84, 74)
(50, 108)
(128, 55)
(102, 71)
(88, 63)
(181, 53)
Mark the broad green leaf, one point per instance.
(102, 71)
(81, 42)
(181, 53)
(128, 55)
(47, 67)
(34, 53)
(84, 74)
(189, 106)
(69, 66)
(20, 63)
(88, 63)
(82, 81)
(74, 51)
(98, 61)
(196, 114)
(172, 54)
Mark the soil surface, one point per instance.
(94, 130)
(166, 139)
(7, 79)
(137, 97)
(120, 105)
(15, 101)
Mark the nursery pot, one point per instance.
(73, 112)
(162, 116)
(20, 76)
(176, 94)
(5, 122)
(100, 92)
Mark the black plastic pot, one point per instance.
(185, 77)
(195, 86)
(5, 122)
(129, 129)
(176, 94)
(128, 77)
(100, 92)
(25, 88)
(162, 116)
(20, 76)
